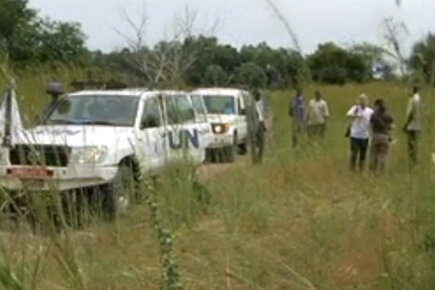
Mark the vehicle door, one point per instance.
(153, 150)
(183, 134)
(241, 119)
(204, 127)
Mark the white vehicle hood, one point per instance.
(221, 119)
(76, 136)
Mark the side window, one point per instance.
(198, 105)
(151, 114)
(179, 109)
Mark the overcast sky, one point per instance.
(248, 21)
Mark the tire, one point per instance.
(231, 151)
(123, 191)
(243, 148)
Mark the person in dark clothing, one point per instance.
(381, 126)
(261, 127)
(297, 111)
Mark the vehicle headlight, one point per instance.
(221, 128)
(89, 154)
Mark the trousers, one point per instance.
(358, 153)
(379, 149)
(413, 138)
(316, 131)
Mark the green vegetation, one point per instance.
(423, 57)
(26, 38)
(300, 221)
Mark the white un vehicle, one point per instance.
(107, 139)
(226, 112)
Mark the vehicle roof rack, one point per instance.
(81, 85)
(137, 89)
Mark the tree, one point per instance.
(394, 34)
(423, 57)
(210, 52)
(215, 75)
(13, 15)
(280, 65)
(251, 75)
(333, 64)
(379, 59)
(26, 37)
(170, 60)
(61, 41)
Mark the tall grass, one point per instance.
(299, 221)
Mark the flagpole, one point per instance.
(8, 119)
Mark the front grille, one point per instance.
(45, 155)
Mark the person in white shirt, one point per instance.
(361, 115)
(413, 125)
(317, 117)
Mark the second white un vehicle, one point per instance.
(107, 139)
(226, 112)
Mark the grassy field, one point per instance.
(299, 221)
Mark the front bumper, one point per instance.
(63, 178)
(221, 140)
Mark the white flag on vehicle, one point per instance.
(16, 124)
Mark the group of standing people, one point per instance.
(312, 119)
(369, 131)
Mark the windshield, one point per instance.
(221, 105)
(105, 110)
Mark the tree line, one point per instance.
(27, 38)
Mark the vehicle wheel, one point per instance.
(231, 151)
(243, 148)
(122, 192)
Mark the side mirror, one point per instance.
(55, 89)
(242, 112)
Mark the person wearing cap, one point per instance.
(360, 114)
(55, 90)
(317, 117)
(413, 125)
(381, 125)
